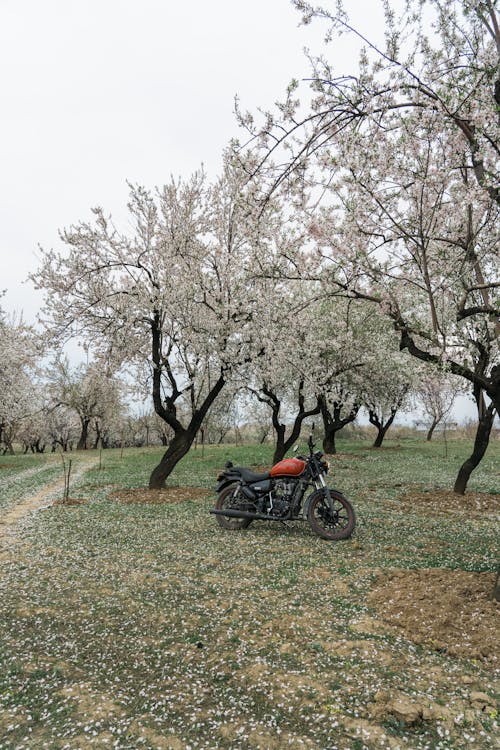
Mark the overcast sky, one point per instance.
(97, 92)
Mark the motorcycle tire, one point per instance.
(333, 527)
(227, 500)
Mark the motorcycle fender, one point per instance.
(225, 482)
(305, 507)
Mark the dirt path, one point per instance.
(29, 472)
(10, 518)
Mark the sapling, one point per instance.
(66, 474)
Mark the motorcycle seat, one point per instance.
(251, 476)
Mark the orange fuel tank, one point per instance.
(289, 467)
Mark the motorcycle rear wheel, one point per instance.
(226, 501)
(338, 525)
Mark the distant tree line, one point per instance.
(49, 407)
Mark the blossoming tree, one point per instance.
(436, 394)
(405, 151)
(91, 392)
(18, 353)
(172, 293)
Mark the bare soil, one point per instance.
(71, 501)
(449, 610)
(157, 497)
(29, 505)
(447, 500)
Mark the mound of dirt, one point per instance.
(445, 500)
(449, 610)
(157, 497)
(71, 501)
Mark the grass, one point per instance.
(21, 475)
(148, 626)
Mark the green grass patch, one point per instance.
(148, 626)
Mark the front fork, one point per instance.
(320, 484)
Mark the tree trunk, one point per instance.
(329, 441)
(481, 441)
(183, 437)
(279, 448)
(179, 446)
(333, 421)
(380, 425)
(167, 411)
(283, 445)
(82, 442)
(431, 429)
(380, 436)
(495, 594)
(98, 435)
(264, 435)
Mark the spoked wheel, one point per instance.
(231, 498)
(337, 525)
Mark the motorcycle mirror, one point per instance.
(295, 448)
(312, 427)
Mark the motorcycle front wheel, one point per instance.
(227, 500)
(332, 526)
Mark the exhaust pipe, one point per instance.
(246, 514)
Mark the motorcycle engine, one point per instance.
(283, 489)
(282, 496)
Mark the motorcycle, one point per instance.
(283, 494)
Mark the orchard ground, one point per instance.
(129, 619)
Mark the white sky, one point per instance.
(97, 92)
